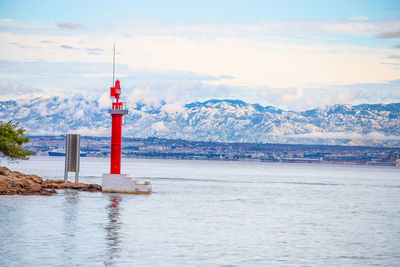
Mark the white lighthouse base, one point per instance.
(122, 183)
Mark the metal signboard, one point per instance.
(72, 155)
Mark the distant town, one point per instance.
(181, 149)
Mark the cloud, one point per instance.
(394, 56)
(17, 91)
(90, 51)
(397, 46)
(394, 65)
(172, 107)
(342, 96)
(388, 35)
(18, 45)
(292, 64)
(359, 18)
(68, 47)
(355, 26)
(145, 96)
(226, 77)
(67, 25)
(94, 51)
(288, 98)
(299, 99)
(104, 100)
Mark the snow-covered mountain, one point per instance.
(215, 120)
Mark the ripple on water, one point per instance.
(209, 214)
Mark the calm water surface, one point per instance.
(208, 213)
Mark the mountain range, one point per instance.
(213, 120)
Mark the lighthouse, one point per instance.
(117, 113)
(115, 182)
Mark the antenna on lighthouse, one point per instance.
(113, 67)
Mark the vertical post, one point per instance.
(78, 157)
(72, 156)
(114, 65)
(66, 159)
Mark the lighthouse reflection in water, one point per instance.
(113, 229)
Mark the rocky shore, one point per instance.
(13, 182)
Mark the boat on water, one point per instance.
(61, 153)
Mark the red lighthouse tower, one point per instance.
(115, 182)
(117, 113)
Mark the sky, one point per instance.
(294, 55)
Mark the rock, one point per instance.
(34, 178)
(12, 182)
(58, 184)
(92, 188)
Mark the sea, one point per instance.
(207, 213)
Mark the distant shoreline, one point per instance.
(159, 148)
(282, 161)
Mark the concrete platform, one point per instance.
(122, 183)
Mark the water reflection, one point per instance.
(70, 207)
(12, 221)
(113, 239)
